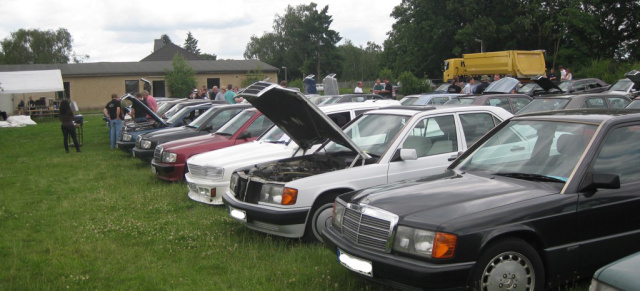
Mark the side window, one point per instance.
(359, 112)
(499, 102)
(594, 103)
(439, 100)
(620, 154)
(519, 102)
(617, 102)
(340, 118)
(432, 136)
(475, 125)
(221, 118)
(259, 125)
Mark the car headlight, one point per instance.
(338, 214)
(424, 243)
(126, 137)
(271, 193)
(169, 157)
(214, 173)
(145, 144)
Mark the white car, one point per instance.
(294, 197)
(209, 173)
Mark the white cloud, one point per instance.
(123, 31)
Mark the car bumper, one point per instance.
(206, 191)
(399, 271)
(281, 222)
(126, 146)
(169, 172)
(143, 154)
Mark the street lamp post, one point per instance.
(285, 72)
(481, 44)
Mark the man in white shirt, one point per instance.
(467, 88)
(358, 88)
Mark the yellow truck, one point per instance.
(518, 64)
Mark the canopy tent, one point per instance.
(31, 81)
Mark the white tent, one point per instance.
(27, 82)
(31, 81)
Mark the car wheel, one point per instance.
(510, 264)
(320, 218)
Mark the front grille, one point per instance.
(138, 140)
(157, 155)
(366, 230)
(247, 190)
(201, 172)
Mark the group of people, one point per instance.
(385, 90)
(115, 114)
(223, 94)
(565, 74)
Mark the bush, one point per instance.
(606, 70)
(410, 84)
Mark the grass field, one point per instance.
(100, 219)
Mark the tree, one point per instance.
(191, 44)
(208, 57)
(182, 79)
(39, 47)
(165, 39)
(302, 41)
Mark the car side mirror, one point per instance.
(244, 135)
(408, 154)
(603, 181)
(452, 158)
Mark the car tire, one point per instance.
(319, 218)
(508, 264)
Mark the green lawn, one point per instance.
(100, 219)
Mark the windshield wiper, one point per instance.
(223, 133)
(532, 177)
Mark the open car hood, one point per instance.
(148, 111)
(545, 83)
(296, 115)
(634, 76)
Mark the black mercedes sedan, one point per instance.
(541, 200)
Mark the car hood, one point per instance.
(504, 85)
(438, 199)
(296, 115)
(244, 154)
(194, 141)
(634, 76)
(545, 83)
(146, 109)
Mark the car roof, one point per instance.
(589, 115)
(409, 110)
(329, 108)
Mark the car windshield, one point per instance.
(529, 87)
(565, 86)
(275, 135)
(184, 112)
(372, 133)
(203, 118)
(408, 100)
(621, 85)
(545, 150)
(236, 123)
(544, 104)
(504, 85)
(164, 107)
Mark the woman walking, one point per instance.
(66, 120)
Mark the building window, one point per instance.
(132, 86)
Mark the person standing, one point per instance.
(568, 76)
(563, 73)
(483, 85)
(358, 88)
(454, 88)
(467, 88)
(219, 95)
(496, 77)
(150, 101)
(552, 75)
(67, 126)
(388, 89)
(377, 88)
(112, 111)
(229, 96)
(137, 111)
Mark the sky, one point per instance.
(124, 31)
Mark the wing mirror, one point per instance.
(244, 135)
(603, 181)
(408, 154)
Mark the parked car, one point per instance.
(618, 276)
(293, 197)
(209, 172)
(350, 98)
(587, 85)
(170, 159)
(207, 123)
(541, 200)
(505, 85)
(510, 102)
(183, 117)
(428, 99)
(573, 101)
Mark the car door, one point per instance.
(608, 219)
(435, 139)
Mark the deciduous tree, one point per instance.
(34, 46)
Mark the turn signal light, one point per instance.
(289, 196)
(444, 245)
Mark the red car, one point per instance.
(169, 159)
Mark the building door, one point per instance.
(213, 82)
(158, 89)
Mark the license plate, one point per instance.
(355, 264)
(238, 214)
(153, 170)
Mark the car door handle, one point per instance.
(515, 149)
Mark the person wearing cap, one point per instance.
(485, 83)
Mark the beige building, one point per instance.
(90, 85)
